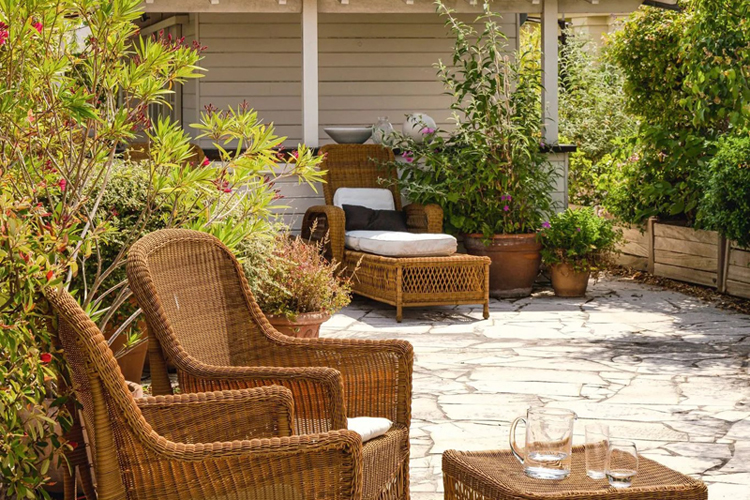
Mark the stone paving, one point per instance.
(661, 368)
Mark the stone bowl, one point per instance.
(349, 135)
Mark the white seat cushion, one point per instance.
(368, 427)
(372, 198)
(398, 244)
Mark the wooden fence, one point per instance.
(687, 254)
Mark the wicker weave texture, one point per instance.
(402, 282)
(497, 475)
(219, 445)
(202, 315)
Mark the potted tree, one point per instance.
(295, 286)
(488, 174)
(576, 244)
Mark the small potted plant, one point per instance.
(295, 286)
(576, 244)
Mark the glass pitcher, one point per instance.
(382, 132)
(549, 442)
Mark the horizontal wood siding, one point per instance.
(255, 58)
(190, 113)
(375, 65)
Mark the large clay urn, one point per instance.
(307, 325)
(515, 262)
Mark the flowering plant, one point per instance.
(488, 174)
(579, 238)
(292, 277)
(68, 106)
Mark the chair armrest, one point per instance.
(318, 392)
(424, 218)
(221, 416)
(321, 466)
(331, 221)
(377, 374)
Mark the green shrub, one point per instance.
(578, 237)
(726, 203)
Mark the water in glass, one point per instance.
(597, 444)
(622, 463)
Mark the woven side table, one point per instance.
(497, 475)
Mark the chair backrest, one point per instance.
(116, 428)
(196, 299)
(357, 166)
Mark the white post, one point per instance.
(550, 71)
(310, 72)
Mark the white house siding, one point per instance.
(190, 88)
(257, 58)
(375, 65)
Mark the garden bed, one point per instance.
(686, 254)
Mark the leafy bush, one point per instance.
(592, 116)
(578, 237)
(291, 276)
(66, 109)
(726, 204)
(488, 174)
(685, 82)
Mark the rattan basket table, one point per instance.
(497, 475)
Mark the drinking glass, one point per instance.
(622, 463)
(597, 445)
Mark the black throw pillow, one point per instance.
(363, 218)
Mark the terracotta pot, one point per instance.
(307, 325)
(515, 262)
(131, 364)
(569, 283)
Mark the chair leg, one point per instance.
(399, 313)
(487, 309)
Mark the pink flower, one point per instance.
(295, 154)
(407, 155)
(30, 116)
(63, 184)
(37, 26)
(427, 131)
(546, 225)
(3, 33)
(578, 229)
(206, 162)
(506, 208)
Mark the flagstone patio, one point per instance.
(663, 369)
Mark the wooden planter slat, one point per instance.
(738, 289)
(687, 260)
(738, 271)
(686, 233)
(634, 249)
(664, 244)
(685, 274)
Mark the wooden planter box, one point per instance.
(737, 277)
(687, 254)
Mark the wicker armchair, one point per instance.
(218, 445)
(401, 282)
(203, 318)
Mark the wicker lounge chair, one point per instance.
(230, 444)
(401, 282)
(203, 319)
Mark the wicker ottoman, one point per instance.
(423, 281)
(497, 475)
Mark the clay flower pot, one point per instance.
(568, 282)
(307, 325)
(515, 262)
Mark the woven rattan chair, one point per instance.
(401, 282)
(218, 445)
(205, 321)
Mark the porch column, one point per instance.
(550, 71)
(310, 72)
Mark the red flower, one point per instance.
(206, 162)
(73, 444)
(37, 26)
(50, 275)
(63, 184)
(45, 358)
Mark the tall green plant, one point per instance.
(66, 111)
(686, 78)
(488, 173)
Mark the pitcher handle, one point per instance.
(512, 438)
